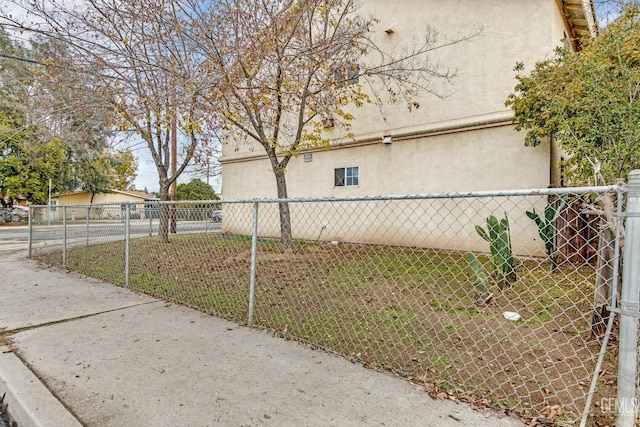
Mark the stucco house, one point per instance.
(108, 204)
(460, 143)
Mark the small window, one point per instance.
(346, 177)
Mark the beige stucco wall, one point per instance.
(446, 224)
(512, 31)
(73, 199)
(492, 158)
(104, 205)
(84, 198)
(463, 142)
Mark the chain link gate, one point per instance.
(478, 296)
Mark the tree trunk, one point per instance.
(283, 208)
(163, 227)
(173, 218)
(604, 281)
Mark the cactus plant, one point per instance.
(499, 237)
(481, 285)
(547, 228)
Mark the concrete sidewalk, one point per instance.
(116, 358)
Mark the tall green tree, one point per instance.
(136, 69)
(27, 170)
(50, 134)
(13, 129)
(125, 166)
(589, 101)
(196, 190)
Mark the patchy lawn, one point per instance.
(406, 310)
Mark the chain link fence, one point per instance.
(488, 298)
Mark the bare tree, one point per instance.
(274, 72)
(144, 74)
(205, 163)
(287, 69)
(608, 10)
(564, 97)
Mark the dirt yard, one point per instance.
(410, 311)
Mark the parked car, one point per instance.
(216, 216)
(5, 215)
(152, 210)
(19, 213)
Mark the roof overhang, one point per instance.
(580, 20)
(136, 194)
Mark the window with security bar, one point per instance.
(346, 177)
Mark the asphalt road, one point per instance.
(17, 236)
(13, 237)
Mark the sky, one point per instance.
(148, 175)
(605, 10)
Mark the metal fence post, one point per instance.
(629, 308)
(127, 241)
(64, 237)
(254, 250)
(30, 230)
(88, 213)
(612, 308)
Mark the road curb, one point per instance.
(30, 402)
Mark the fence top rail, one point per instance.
(452, 195)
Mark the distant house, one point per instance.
(464, 142)
(107, 205)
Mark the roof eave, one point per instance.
(580, 20)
